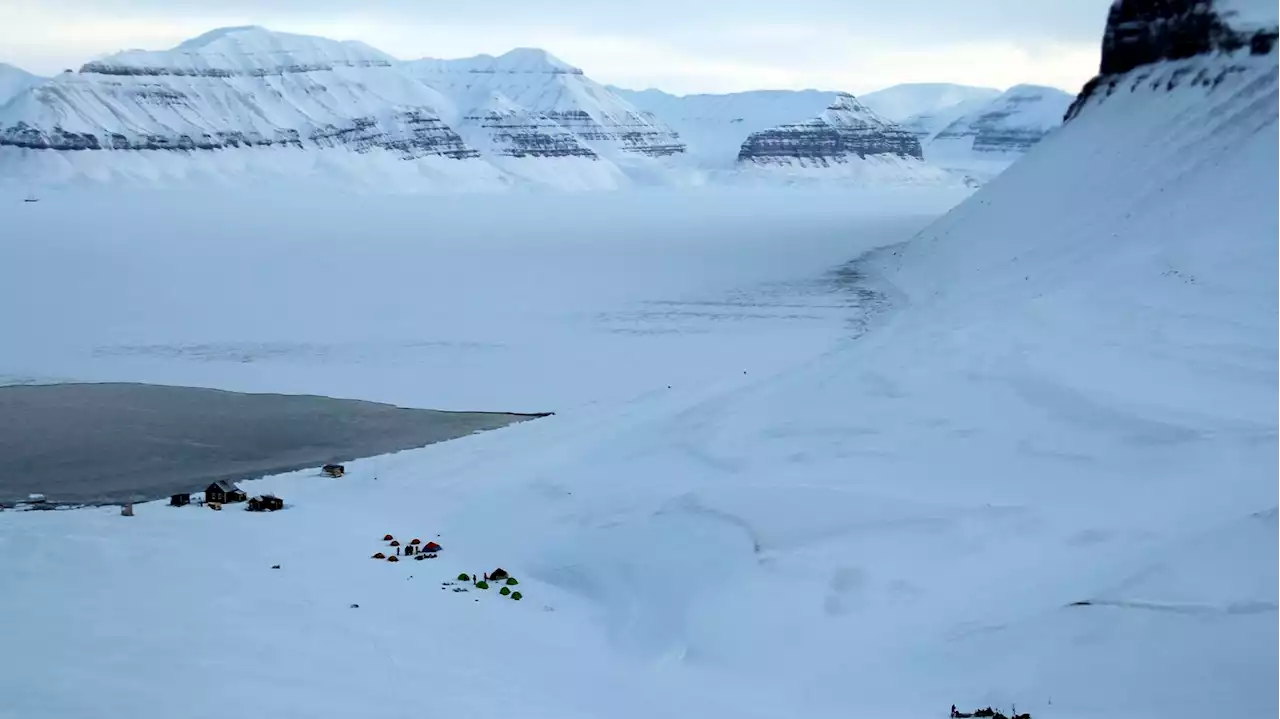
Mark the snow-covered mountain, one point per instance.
(246, 101)
(844, 134)
(235, 102)
(553, 90)
(1119, 282)
(804, 135)
(14, 80)
(713, 127)
(901, 103)
(983, 138)
(240, 103)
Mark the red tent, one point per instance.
(431, 547)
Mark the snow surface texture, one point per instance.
(247, 104)
(1027, 458)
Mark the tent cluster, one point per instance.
(498, 575)
(416, 548)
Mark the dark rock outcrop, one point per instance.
(1142, 32)
(845, 130)
(411, 132)
(413, 135)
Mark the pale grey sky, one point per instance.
(678, 45)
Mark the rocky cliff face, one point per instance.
(505, 129)
(845, 131)
(1144, 32)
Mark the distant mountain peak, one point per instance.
(241, 50)
(205, 39)
(900, 103)
(521, 60)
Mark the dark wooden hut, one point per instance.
(224, 492)
(265, 503)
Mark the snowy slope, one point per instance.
(909, 100)
(988, 137)
(713, 127)
(14, 80)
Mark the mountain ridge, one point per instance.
(246, 88)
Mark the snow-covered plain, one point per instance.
(611, 312)
(777, 484)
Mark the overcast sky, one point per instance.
(678, 45)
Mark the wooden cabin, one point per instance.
(223, 492)
(265, 503)
(181, 499)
